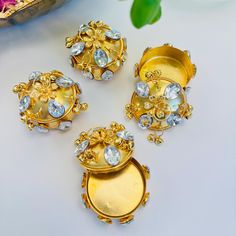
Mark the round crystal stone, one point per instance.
(34, 75)
(64, 82)
(87, 75)
(79, 87)
(172, 91)
(173, 120)
(65, 125)
(81, 147)
(145, 121)
(83, 28)
(24, 103)
(142, 89)
(113, 34)
(126, 135)
(112, 155)
(107, 75)
(77, 48)
(55, 109)
(100, 57)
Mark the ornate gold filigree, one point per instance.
(185, 110)
(46, 88)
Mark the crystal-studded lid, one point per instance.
(104, 150)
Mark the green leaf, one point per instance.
(145, 12)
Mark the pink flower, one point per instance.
(4, 4)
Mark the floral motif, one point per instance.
(104, 136)
(161, 107)
(130, 109)
(46, 89)
(185, 110)
(88, 156)
(94, 36)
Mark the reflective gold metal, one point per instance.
(23, 10)
(159, 101)
(97, 50)
(114, 182)
(49, 101)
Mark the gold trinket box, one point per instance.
(49, 101)
(114, 182)
(97, 50)
(18, 11)
(159, 101)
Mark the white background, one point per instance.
(193, 177)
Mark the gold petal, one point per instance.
(43, 98)
(54, 86)
(89, 32)
(89, 44)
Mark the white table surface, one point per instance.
(193, 177)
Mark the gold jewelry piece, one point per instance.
(159, 101)
(49, 101)
(114, 182)
(17, 11)
(97, 50)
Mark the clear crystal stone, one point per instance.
(65, 125)
(64, 82)
(145, 121)
(113, 34)
(81, 147)
(87, 75)
(126, 135)
(77, 48)
(100, 57)
(112, 155)
(79, 87)
(41, 129)
(70, 61)
(83, 28)
(174, 119)
(107, 75)
(34, 75)
(55, 109)
(142, 89)
(24, 103)
(187, 90)
(172, 91)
